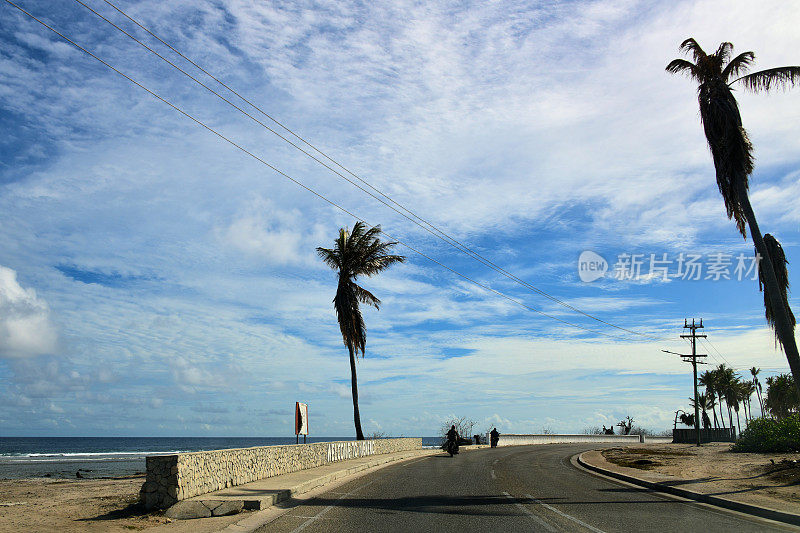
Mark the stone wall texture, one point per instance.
(171, 478)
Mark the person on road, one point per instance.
(452, 441)
(452, 434)
(494, 437)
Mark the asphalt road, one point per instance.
(519, 488)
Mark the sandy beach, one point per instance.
(87, 505)
(44, 504)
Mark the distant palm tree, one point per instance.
(782, 399)
(754, 372)
(748, 388)
(733, 161)
(704, 402)
(726, 386)
(707, 379)
(356, 253)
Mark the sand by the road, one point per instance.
(770, 480)
(86, 505)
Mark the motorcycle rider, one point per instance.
(452, 436)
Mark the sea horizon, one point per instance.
(99, 457)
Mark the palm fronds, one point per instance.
(681, 66)
(724, 52)
(357, 252)
(719, 112)
(738, 65)
(764, 80)
(779, 262)
(690, 45)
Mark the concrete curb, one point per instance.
(762, 512)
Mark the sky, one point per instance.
(157, 281)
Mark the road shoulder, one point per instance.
(594, 461)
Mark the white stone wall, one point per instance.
(171, 478)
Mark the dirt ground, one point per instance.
(771, 480)
(87, 505)
(73, 505)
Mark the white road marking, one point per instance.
(565, 515)
(493, 476)
(531, 514)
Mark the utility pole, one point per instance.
(693, 327)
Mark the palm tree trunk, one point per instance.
(721, 415)
(354, 385)
(714, 410)
(760, 401)
(738, 423)
(783, 327)
(730, 418)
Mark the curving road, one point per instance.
(519, 488)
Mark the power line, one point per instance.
(399, 209)
(297, 182)
(708, 342)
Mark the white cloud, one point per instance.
(26, 329)
(277, 236)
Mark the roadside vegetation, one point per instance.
(770, 435)
(730, 398)
(780, 432)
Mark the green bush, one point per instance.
(767, 435)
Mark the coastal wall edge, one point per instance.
(519, 440)
(172, 478)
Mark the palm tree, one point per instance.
(732, 395)
(718, 386)
(704, 402)
(726, 384)
(356, 253)
(707, 380)
(782, 398)
(733, 160)
(748, 388)
(754, 372)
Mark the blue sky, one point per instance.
(156, 281)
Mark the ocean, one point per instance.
(109, 457)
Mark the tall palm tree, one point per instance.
(356, 253)
(748, 389)
(770, 382)
(744, 391)
(732, 395)
(733, 160)
(704, 402)
(707, 379)
(726, 385)
(754, 372)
